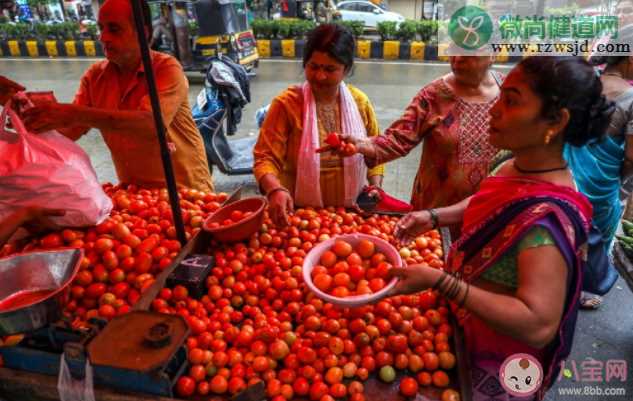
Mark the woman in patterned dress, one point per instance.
(451, 115)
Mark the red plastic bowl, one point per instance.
(244, 228)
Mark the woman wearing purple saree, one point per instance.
(517, 268)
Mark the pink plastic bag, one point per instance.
(48, 170)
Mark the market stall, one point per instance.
(192, 295)
(252, 298)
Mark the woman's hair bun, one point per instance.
(600, 116)
(570, 83)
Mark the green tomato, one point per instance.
(387, 374)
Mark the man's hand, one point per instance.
(49, 116)
(280, 204)
(34, 219)
(8, 89)
(37, 219)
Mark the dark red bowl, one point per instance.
(244, 228)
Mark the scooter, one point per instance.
(215, 121)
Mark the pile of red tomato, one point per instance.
(258, 321)
(235, 217)
(124, 253)
(345, 271)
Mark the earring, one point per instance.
(548, 137)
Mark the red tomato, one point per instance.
(301, 386)
(236, 385)
(185, 386)
(95, 290)
(219, 384)
(408, 387)
(52, 241)
(237, 215)
(197, 373)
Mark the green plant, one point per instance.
(407, 30)
(264, 28)
(18, 31)
(427, 29)
(54, 31)
(357, 27)
(4, 31)
(284, 29)
(92, 30)
(42, 31)
(257, 26)
(301, 28)
(69, 30)
(194, 28)
(387, 30)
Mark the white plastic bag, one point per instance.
(48, 170)
(71, 389)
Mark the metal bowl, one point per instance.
(34, 288)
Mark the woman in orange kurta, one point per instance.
(280, 147)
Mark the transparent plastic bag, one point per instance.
(71, 389)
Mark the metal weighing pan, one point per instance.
(34, 288)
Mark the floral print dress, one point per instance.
(456, 153)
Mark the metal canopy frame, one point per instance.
(158, 122)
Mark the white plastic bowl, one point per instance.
(382, 246)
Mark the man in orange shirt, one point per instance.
(113, 97)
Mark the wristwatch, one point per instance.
(434, 217)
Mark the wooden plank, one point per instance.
(197, 244)
(26, 386)
(193, 246)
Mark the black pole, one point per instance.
(158, 121)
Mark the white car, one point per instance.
(369, 13)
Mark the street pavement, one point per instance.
(602, 337)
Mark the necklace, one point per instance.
(547, 170)
(326, 113)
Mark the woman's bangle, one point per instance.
(448, 290)
(279, 188)
(454, 291)
(463, 302)
(434, 218)
(440, 280)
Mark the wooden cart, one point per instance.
(26, 386)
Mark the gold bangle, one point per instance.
(279, 188)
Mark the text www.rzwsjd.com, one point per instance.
(569, 49)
